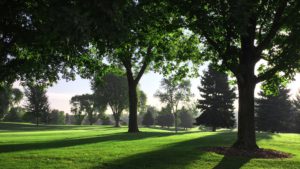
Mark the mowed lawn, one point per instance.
(60, 147)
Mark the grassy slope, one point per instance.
(23, 146)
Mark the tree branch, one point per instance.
(144, 66)
(277, 22)
(266, 75)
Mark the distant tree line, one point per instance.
(36, 108)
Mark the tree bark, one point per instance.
(246, 125)
(117, 120)
(176, 122)
(133, 125)
(37, 121)
(213, 129)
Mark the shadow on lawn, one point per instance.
(20, 127)
(121, 136)
(181, 154)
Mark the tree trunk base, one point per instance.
(245, 145)
(136, 130)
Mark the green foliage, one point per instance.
(37, 102)
(8, 98)
(148, 119)
(186, 118)
(15, 114)
(57, 117)
(275, 113)
(165, 117)
(112, 91)
(217, 98)
(82, 106)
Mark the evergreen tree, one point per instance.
(186, 118)
(148, 119)
(274, 113)
(216, 103)
(37, 102)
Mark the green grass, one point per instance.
(59, 147)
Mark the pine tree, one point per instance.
(274, 113)
(216, 103)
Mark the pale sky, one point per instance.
(60, 94)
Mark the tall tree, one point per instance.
(37, 102)
(112, 90)
(140, 39)
(217, 98)
(239, 34)
(173, 93)
(275, 113)
(85, 106)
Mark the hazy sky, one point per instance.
(61, 93)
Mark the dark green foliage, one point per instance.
(112, 91)
(15, 114)
(57, 117)
(105, 120)
(275, 113)
(174, 92)
(296, 104)
(148, 119)
(216, 103)
(8, 98)
(84, 105)
(37, 102)
(165, 118)
(68, 119)
(236, 36)
(186, 118)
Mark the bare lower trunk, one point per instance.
(133, 125)
(37, 121)
(246, 126)
(213, 129)
(176, 122)
(117, 122)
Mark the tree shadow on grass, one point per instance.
(229, 162)
(120, 136)
(21, 127)
(180, 155)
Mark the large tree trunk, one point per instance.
(246, 126)
(176, 122)
(213, 128)
(133, 125)
(37, 121)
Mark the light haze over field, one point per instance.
(59, 94)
